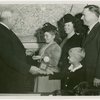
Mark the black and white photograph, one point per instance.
(50, 48)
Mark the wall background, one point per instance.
(33, 16)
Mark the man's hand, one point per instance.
(34, 70)
(29, 52)
(36, 57)
(96, 82)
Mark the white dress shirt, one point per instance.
(90, 27)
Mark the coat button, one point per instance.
(67, 78)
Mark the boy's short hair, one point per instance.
(77, 52)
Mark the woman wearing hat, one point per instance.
(49, 56)
(73, 39)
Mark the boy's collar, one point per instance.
(74, 69)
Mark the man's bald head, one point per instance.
(6, 14)
(9, 17)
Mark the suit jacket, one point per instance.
(14, 69)
(92, 49)
(53, 51)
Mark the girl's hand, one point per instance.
(49, 71)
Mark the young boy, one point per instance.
(76, 72)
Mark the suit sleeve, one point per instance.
(9, 58)
(97, 75)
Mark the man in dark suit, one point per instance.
(92, 45)
(15, 73)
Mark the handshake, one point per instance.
(35, 70)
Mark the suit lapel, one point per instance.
(92, 34)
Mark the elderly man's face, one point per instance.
(88, 17)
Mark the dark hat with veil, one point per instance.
(49, 27)
(68, 18)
